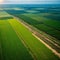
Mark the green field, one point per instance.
(18, 43)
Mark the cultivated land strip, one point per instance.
(22, 40)
(34, 34)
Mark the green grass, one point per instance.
(11, 47)
(39, 50)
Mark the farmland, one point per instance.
(11, 46)
(17, 42)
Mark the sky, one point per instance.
(30, 1)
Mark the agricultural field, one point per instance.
(11, 47)
(46, 18)
(18, 42)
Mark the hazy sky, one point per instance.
(30, 1)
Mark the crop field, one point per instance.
(17, 42)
